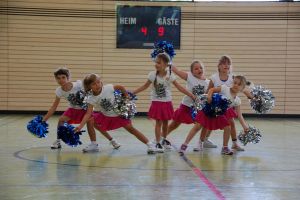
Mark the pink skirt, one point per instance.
(183, 115)
(231, 113)
(75, 115)
(106, 123)
(212, 123)
(161, 110)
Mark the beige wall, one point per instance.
(37, 36)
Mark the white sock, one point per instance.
(93, 142)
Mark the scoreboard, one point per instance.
(140, 26)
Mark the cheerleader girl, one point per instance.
(161, 109)
(76, 110)
(107, 119)
(197, 84)
(223, 121)
(225, 77)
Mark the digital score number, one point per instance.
(140, 26)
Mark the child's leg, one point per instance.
(91, 130)
(92, 134)
(174, 125)
(164, 128)
(189, 137)
(233, 134)
(192, 133)
(166, 143)
(226, 136)
(207, 143)
(158, 125)
(93, 146)
(203, 134)
(140, 136)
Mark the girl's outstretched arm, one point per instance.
(247, 93)
(183, 90)
(142, 88)
(122, 89)
(211, 91)
(210, 85)
(241, 118)
(85, 118)
(52, 109)
(182, 74)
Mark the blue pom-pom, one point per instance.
(38, 127)
(163, 47)
(217, 107)
(132, 97)
(194, 112)
(67, 134)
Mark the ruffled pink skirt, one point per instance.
(106, 123)
(183, 115)
(231, 113)
(75, 115)
(212, 123)
(161, 110)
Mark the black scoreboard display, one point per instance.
(140, 26)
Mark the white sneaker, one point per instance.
(56, 144)
(115, 144)
(199, 147)
(209, 144)
(236, 147)
(182, 149)
(91, 148)
(159, 148)
(166, 144)
(151, 148)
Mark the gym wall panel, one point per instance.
(38, 36)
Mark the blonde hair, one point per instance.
(243, 80)
(197, 62)
(166, 59)
(225, 59)
(88, 80)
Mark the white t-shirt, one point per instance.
(195, 86)
(215, 78)
(225, 91)
(60, 93)
(104, 101)
(162, 92)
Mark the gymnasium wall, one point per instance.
(38, 36)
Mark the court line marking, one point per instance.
(202, 177)
(17, 155)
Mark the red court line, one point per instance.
(209, 184)
(202, 177)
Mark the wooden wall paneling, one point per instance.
(262, 39)
(292, 104)
(3, 57)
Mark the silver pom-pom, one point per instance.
(200, 101)
(253, 135)
(124, 107)
(78, 99)
(263, 100)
